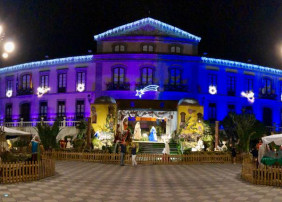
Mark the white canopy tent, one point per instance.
(13, 132)
(277, 139)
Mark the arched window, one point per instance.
(119, 48)
(147, 76)
(147, 48)
(266, 86)
(182, 117)
(175, 76)
(118, 75)
(175, 49)
(26, 82)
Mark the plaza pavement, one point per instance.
(86, 181)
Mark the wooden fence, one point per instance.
(193, 158)
(262, 175)
(26, 171)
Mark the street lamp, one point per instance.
(8, 46)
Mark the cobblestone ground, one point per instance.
(81, 181)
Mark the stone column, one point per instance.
(216, 135)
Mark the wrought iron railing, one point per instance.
(120, 86)
(177, 88)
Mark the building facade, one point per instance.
(132, 57)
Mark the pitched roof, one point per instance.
(147, 21)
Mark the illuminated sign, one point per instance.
(212, 90)
(9, 93)
(41, 91)
(147, 88)
(250, 96)
(80, 87)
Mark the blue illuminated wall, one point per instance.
(195, 75)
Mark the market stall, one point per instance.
(266, 155)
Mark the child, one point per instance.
(133, 153)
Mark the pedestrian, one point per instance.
(133, 153)
(233, 153)
(122, 152)
(36, 148)
(166, 152)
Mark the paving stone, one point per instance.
(83, 181)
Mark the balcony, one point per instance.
(177, 88)
(120, 86)
(268, 96)
(26, 91)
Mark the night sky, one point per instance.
(236, 30)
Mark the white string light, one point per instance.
(147, 88)
(41, 91)
(80, 87)
(212, 90)
(9, 93)
(250, 96)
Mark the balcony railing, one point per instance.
(120, 86)
(63, 123)
(139, 86)
(26, 91)
(268, 96)
(178, 88)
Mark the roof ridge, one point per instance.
(142, 21)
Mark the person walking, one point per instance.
(133, 153)
(122, 152)
(233, 153)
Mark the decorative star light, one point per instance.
(212, 90)
(41, 91)
(9, 93)
(80, 87)
(147, 88)
(250, 96)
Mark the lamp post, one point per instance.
(7, 47)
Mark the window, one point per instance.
(44, 81)
(182, 117)
(118, 75)
(231, 85)
(119, 48)
(175, 49)
(25, 111)
(62, 82)
(248, 110)
(61, 110)
(212, 80)
(212, 112)
(80, 79)
(231, 109)
(43, 108)
(147, 76)
(266, 86)
(267, 116)
(79, 109)
(26, 82)
(175, 77)
(250, 85)
(8, 113)
(148, 48)
(9, 85)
